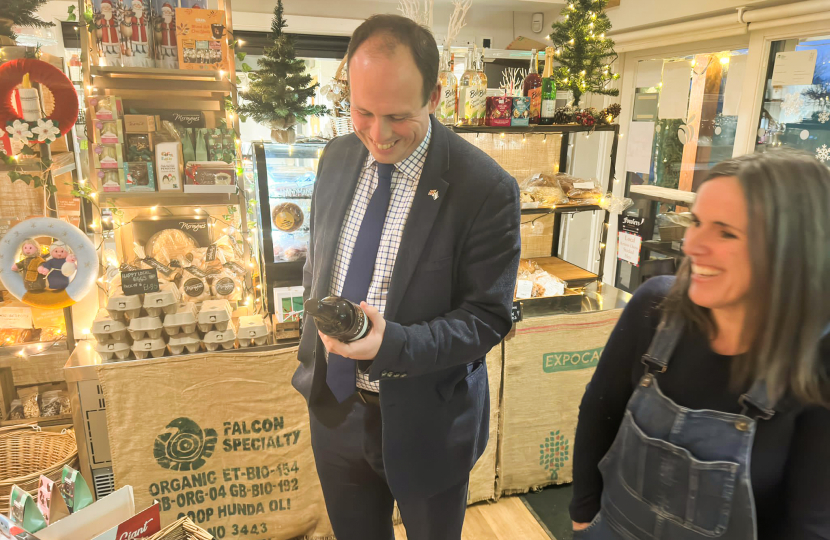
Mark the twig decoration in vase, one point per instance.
(512, 81)
(411, 9)
(457, 22)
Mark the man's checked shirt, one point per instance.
(405, 180)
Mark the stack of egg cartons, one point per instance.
(214, 321)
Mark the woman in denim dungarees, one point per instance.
(752, 293)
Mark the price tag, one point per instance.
(140, 281)
(524, 289)
(583, 185)
(516, 313)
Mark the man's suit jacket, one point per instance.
(448, 304)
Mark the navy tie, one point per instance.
(341, 371)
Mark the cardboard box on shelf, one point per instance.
(169, 166)
(201, 39)
(210, 177)
(138, 176)
(139, 123)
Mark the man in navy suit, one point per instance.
(422, 229)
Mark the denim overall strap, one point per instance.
(665, 341)
(756, 403)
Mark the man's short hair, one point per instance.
(396, 30)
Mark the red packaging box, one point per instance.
(499, 110)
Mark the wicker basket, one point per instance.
(26, 453)
(184, 529)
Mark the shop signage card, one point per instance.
(221, 438)
(202, 39)
(794, 68)
(630, 239)
(16, 317)
(141, 281)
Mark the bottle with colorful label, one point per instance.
(533, 88)
(446, 111)
(481, 85)
(468, 93)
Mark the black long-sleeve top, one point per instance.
(790, 462)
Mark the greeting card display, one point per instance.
(202, 39)
(164, 33)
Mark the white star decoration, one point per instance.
(792, 105)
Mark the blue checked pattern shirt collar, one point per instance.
(412, 167)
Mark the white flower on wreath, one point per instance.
(46, 130)
(19, 131)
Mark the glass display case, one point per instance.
(285, 176)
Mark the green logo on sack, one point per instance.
(554, 453)
(567, 361)
(185, 449)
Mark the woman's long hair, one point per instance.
(788, 201)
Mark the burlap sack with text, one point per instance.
(548, 361)
(483, 476)
(222, 438)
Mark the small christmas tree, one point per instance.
(280, 90)
(20, 13)
(584, 53)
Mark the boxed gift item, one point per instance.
(107, 156)
(139, 176)
(140, 147)
(521, 111)
(202, 39)
(106, 107)
(169, 166)
(164, 34)
(210, 177)
(499, 111)
(111, 179)
(108, 131)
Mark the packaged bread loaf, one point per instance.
(578, 190)
(194, 285)
(226, 285)
(544, 189)
(169, 244)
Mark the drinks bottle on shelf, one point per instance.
(338, 318)
(548, 90)
(533, 87)
(468, 92)
(481, 88)
(445, 113)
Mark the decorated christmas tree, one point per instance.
(584, 53)
(280, 91)
(20, 13)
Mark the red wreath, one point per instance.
(66, 99)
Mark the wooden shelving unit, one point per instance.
(172, 199)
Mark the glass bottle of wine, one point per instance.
(445, 113)
(533, 87)
(338, 318)
(468, 92)
(481, 86)
(548, 90)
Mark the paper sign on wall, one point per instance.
(640, 143)
(629, 239)
(734, 85)
(674, 95)
(794, 68)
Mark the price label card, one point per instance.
(524, 288)
(140, 281)
(516, 313)
(629, 247)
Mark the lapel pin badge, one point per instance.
(434, 194)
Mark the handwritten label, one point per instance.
(516, 312)
(140, 281)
